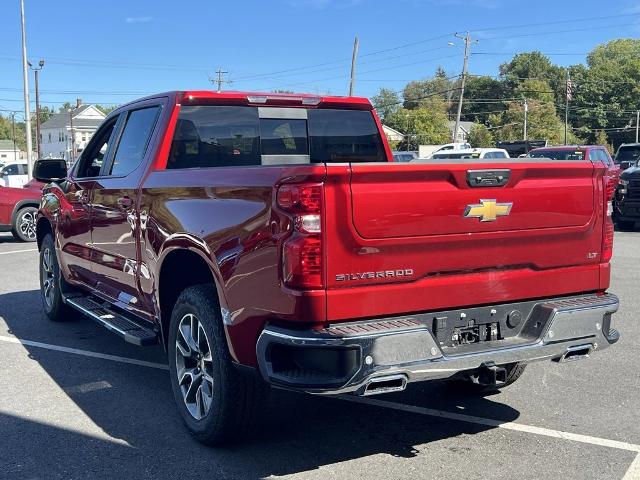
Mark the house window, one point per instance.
(49, 137)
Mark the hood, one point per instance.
(632, 172)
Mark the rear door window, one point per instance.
(134, 140)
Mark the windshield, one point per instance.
(558, 154)
(625, 154)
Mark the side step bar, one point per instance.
(114, 321)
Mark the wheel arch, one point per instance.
(22, 204)
(176, 258)
(43, 226)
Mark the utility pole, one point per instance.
(13, 126)
(568, 96)
(526, 111)
(25, 85)
(36, 72)
(354, 57)
(219, 81)
(465, 65)
(637, 124)
(72, 136)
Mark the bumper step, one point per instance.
(124, 326)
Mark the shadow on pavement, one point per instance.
(135, 405)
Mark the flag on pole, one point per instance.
(569, 90)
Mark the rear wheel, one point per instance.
(468, 384)
(24, 226)
(218, 403)
(51, 281)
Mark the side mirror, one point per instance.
(49, 170)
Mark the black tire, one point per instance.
(24, 225)
(51, 282)
(466, 385)
(235, 397)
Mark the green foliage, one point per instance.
(480, 137)
(418, 91)
(426, 124)
(106, 109)
(6, 132)
(386, 103)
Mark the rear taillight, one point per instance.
(302, 254)
(607, 226)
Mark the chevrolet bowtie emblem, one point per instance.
(488, 210)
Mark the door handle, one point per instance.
(125, 202)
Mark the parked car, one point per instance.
(478, 153)
(13, 174)
(626, 209)
(426, 151)
(593, 153)
(269, 239)
(627, 155)
(404, 157)
(18, 209)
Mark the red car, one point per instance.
(18, 209)
(268, 239)
(592, 153)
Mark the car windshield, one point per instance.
(625, 154)
(558, 154)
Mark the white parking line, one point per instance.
(19, 251)
(519, 427)
(85, 353)
(633, 473)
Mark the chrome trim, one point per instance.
(575, 323)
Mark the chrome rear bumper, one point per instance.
(349, 357)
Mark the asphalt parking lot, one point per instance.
(76, 402)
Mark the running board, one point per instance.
(121, 325)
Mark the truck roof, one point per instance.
(261, 98)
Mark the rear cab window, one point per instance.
(569, 155)
(221, 136)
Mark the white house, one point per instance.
(10, 153)
(392, 134)
(55, 133)
(463, 130)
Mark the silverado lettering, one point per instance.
(341, 277)
(221, 225)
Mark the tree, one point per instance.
(533, 65)
(427, 124)
(487, 89)
(416, 91)
(542, 121)
(106, 109)
(601, 139)
(480, 136)
(386, 103)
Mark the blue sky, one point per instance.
(112, 51)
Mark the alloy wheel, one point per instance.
(48, 277)
(194, 366)
(27, 226)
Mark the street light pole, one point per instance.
(36, 72)
(637, 124)
(25, 84)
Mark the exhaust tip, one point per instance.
(392, 383)
(578, 352)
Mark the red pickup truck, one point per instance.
(269, 239)
(18, 209)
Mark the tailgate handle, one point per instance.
(488, 178)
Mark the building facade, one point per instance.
(65, 135)
(10, 152)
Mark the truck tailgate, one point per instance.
(424, 224)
